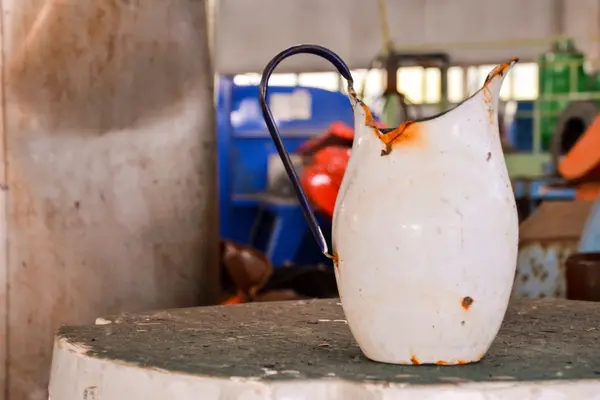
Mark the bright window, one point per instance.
(432, 85)
(525, 80)
(411, 82)
(371, 81)
(322, 80)
(246, 79)
(520, 84)
(275, 79)
(420, 85)
(283, 80)
(456, 84)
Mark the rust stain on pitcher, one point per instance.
(335, 259)
(488, 100)
(467, 302)
(487, 95)
(500, 70)
(406, 134)
(414, 360)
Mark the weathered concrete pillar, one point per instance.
(108, 172)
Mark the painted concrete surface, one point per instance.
(546, 349)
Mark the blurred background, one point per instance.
(409, 60)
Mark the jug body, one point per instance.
(425, 231)
(425, 234)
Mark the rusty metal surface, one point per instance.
(109, 126)
(546, 239)
(541, 269)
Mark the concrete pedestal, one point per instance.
(547, 349)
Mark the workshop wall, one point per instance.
(249, 33)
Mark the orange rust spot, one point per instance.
(487, 96)
(491, 115)
(333, 257)
(466, 302)
(499, 71)
(407, 133)
(369, 120)
(488, 99)
(441, 363)
(461, 362)
(414, 360)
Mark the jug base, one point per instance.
(414, 360)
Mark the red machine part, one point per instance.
(322, 179)
(329, 154)
(337, 134)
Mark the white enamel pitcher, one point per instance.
(425, 227)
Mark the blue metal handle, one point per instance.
(274, 131)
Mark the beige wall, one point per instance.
(351, 28)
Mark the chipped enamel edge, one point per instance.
(411, 128)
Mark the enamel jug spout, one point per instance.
(493, 82)
(424, 230)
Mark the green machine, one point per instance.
(567, 103)
(561, 75)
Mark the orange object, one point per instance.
(322, 179)
(337, 133)
(329, 154)
(237, 299)
(587, 191)
(582, 162)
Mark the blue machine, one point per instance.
(520, 130)
(248, 214)
(544, 189)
